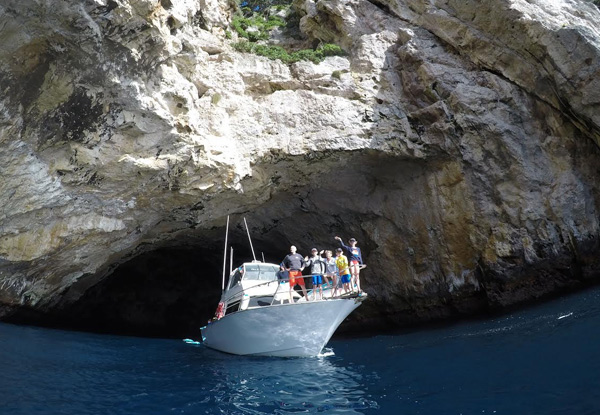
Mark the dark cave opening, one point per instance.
(167, 292)
(172, 288)
(170, 285)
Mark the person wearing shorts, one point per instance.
(294, 264)
(342, 264)
(317, 269)
(355, 260)
(331, 271)
(293, 273)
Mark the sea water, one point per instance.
(542, 360)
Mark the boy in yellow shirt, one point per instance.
(342, 264)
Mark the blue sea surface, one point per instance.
(542, 360)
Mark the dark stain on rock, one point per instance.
(110, 6)
(71, 120)
(199, 20)
(166, 4)
(172, 25)
(29, 87)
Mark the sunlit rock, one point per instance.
(457, 141)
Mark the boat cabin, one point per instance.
(254, 284)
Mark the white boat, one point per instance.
(256, 316)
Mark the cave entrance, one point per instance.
(169, 291)
(173, 287)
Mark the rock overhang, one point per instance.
(447, 166)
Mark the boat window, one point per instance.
(261, 272)
(233, 307)
(237, 277)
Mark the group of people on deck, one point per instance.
(344, 271)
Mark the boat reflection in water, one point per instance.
(262, 385)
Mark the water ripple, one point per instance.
(541, 360)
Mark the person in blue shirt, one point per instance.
(355, 260)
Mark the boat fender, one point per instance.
(245, 301)
(220, 310)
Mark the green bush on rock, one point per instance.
(256, 27)
(277, 52)
(254, 22)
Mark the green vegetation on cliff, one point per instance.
(256, 27)
(256, 19)
(277, 52)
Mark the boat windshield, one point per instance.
(262, 272)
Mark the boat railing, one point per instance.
(241, 293)
(239, 296)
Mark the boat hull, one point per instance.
(286, 330)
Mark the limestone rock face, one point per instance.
(457, 141)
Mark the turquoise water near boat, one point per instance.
(541, 360)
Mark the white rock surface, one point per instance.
(458, 141)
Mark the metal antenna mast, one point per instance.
(250, 239)
(225, 255)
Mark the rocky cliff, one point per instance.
(458, 141)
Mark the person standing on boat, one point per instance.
(317, 269)
(342, 264)
(355, 258)
(326, 274)
(331, 270)
(294, 264)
